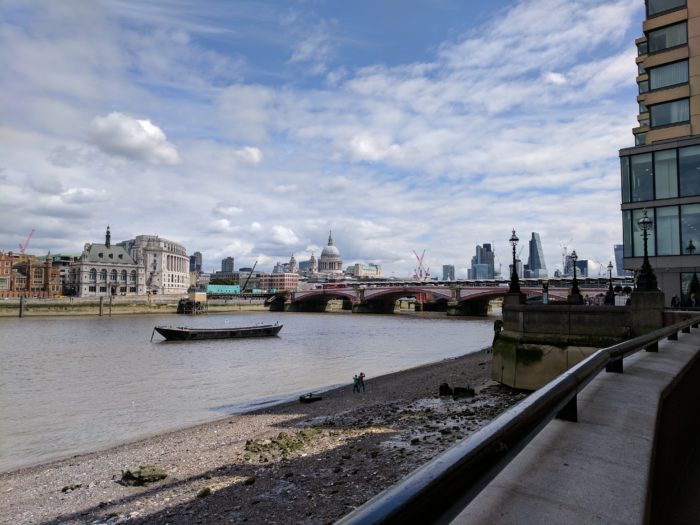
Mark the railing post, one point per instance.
(694, 325)
(673, 336)
(570, 411)
(653, 347)
(614, 366)
(686, 330)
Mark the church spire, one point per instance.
(108, 238)
(330, 237)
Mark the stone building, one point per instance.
(28, 276)
(330, 261)
(165, 262)
(105, 269)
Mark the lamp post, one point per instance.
(646, 280)
(574, 288)
(610, 296)
(694, 283)
(514, 284)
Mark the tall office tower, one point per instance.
(535, 261)
(621, 272)
(196, 262)
(660, 173)
(448, 272)
(482, 263)
(227, 265)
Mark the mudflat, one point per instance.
(290, 463)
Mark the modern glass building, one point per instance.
(535, 261)
(661, 173)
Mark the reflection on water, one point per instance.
(72, 385)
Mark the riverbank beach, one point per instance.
(290, 463)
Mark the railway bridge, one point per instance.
(453, 299)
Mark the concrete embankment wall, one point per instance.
(120, 305)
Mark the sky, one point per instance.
(252, 128)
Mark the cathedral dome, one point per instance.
(330, 260)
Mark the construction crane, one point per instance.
(421, 272)
(248, 278)
(23, 247)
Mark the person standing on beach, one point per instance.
(361, 379)
(355, 384)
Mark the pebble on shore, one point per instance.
(290, 463)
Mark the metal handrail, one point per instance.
(438, 491)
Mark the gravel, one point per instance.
(290, 463)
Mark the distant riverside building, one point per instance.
(364, 270)
(166, 263)
(536, 266)
(660, 173)
(29, 276)
(448, 272)
(619, 265)
(482, 263)
(196, 262)
(227, 264)
(330, 261)
(280, 282)
(106, 269)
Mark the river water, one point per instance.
(79, 384)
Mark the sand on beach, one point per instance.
(289, 463)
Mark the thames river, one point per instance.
(70, 385)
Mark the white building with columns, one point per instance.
(165, 262)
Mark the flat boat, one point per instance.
(182, 333)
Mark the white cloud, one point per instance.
(136, 139)
(555, 78)
(249, 154)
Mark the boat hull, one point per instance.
(196, 334)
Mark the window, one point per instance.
(654, 7)
(673, 112)
(625, 170)
(668, 37)
(665, 174)
(93, 274)
(103, 289)
(689, 171)
(640, 68)
(668, 75)
(132, 289)
(642, 178)
(644, 122)
(132, 276)
(642, 48)
(103, 275)
(92, 288)
(643, 86)
(113, 275)
(122, 275)
(668, 235)
(638, 239)
(627, 233)
(642, 108)
(690, 225)
(640, 139)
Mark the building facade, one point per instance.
(448, 272)
(482, 266)
(196, 262)
(280, 282)
(29, 276)
(330, 261)
(105, 269)
(359, 270)
(227, 265)
(165, 262)
(660, 173)
(536, 267)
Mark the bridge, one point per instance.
(453, 299)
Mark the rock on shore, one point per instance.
(291, 463)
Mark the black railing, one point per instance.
(441, 489)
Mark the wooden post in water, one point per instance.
(102, 299)
(110, 304)
(21, 306)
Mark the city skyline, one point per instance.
(247, 131)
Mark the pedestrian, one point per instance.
(675, 302)
(355, 383)
(362, 381)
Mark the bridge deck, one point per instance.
(598, 469)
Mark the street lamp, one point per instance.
(610, 296)
(574, 287)
(646, 280)
(514, 284)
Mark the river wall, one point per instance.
(9, 307)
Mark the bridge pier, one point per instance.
(470, 308)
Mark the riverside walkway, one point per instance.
(628, 452)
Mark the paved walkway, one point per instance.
(596, 470)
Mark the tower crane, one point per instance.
(421, 272)
(248, 278)
(23, 247)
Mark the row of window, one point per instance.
(664, 38)
(113, 275)
(662, 174)
(103, 289)
(656, 7)
(675, 229)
